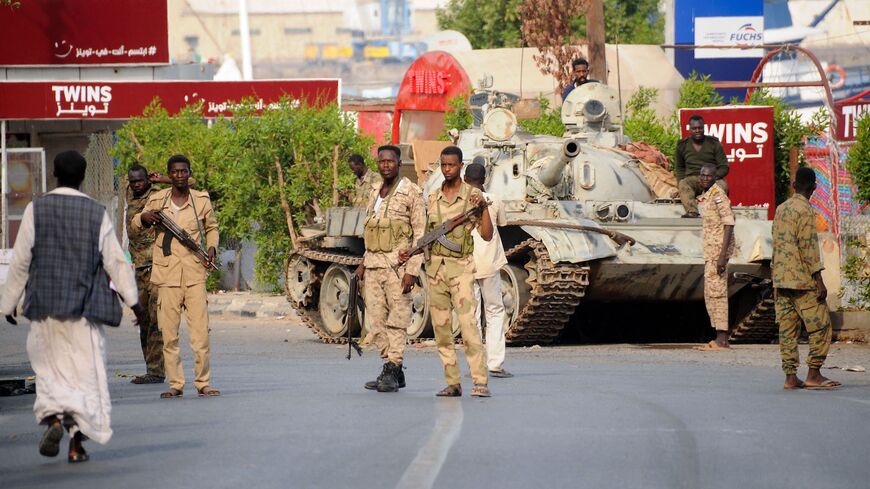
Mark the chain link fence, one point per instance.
(101, 182)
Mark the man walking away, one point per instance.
(488, 259)
(65, 248)
(798, 287)
(694, 152)
(718, 222)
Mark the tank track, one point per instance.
(556, 290)
(311, 316)
(758, 326)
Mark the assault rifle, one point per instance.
(439, 234)
(353, 300)
(173, 230)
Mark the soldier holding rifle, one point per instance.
(450, 269)
(395, 220)
(180, 270)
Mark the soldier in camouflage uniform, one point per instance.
(366, 180)
(151, 339)
(718, 225)
(798, 287)
(395, 220)
(451, 275)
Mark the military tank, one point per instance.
(584, 231)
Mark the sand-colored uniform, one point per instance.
(393, 223)
(451, 286)
(715, 208)
(140, 244)
(364, 188)
(180, 278)
(795, 259)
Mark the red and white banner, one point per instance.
(746, 133)
(847, 115)
(123, 100)
(84, 32)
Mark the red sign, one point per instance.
(746, 133)
(847, 118)
(84, 32)
(123, 100)
(429, 81)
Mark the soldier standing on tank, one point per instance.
(694, 152)
(141, 241)
(451, 275)
(395, 220)
(366, 180)
(718, 225)
(799, 290)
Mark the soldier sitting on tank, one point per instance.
(693, 153)
(580, 68)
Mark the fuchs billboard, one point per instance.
(123, 100)
(746, 133)
(85, 32)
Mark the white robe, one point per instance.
(69, 356)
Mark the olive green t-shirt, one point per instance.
(689, 162)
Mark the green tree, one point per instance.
(486, 23)
(549, 122)
(858, 162)
(496, 24)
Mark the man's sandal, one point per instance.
(80, 456)
(49, 446)
(171, 394)
(208, 392)
(480, 390)
(452, 390)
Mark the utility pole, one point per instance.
(595, 37)
(245, 34)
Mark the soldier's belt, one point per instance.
(144, 267)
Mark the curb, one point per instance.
(248, 305)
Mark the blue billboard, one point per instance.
(719, 22)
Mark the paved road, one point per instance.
(294, 415)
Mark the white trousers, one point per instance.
(489, 289)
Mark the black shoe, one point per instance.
(373, 384)
(400, 376)
(389, 381)
(49, 445)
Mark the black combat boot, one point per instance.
(373, 384)
(389, 381)
(400, 376)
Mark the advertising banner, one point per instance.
(847, 115)
(123, 100)
(746, 133)
(85, 32)
(727, 31)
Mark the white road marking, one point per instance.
(426, 466)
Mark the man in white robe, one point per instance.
(67, 353)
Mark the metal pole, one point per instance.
(245, 33)
(4, 204)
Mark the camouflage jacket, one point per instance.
(405, 204)
(364, 187)
(440, 209)
(715, 209)
(795, 245)
(141, 240)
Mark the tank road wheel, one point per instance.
(515, 291)
(334, 300)
(300, 276)
(420, 324)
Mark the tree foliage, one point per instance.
(458, 116)
(486, 23)
(858, 162)
(547, 26)
(241, 161)
(549, 122)
(498, 23)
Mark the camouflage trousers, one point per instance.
(716, 296)
(451, 287)
(150, 336)
(796, 307)
(388, 312)
(690, 189)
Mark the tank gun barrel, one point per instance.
(551, 172)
